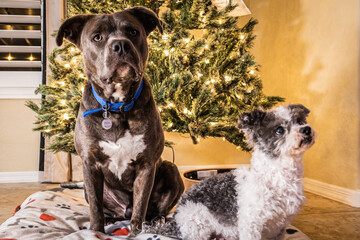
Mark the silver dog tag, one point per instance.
(106, 124)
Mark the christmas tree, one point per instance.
(200, 69)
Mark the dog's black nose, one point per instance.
(120, 47)
(306, 130)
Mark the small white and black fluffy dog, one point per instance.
(256, 203)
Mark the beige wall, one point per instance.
(309, 52)
(210, 151)
(19, 145)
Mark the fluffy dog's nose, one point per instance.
(306, 130)
(120, 47)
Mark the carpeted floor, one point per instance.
(321, 218)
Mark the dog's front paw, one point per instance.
(136, 226)
(97, 227)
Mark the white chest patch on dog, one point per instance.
(118, 94)
(123, 151)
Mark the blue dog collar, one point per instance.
(114, 107)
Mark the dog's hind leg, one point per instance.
(167, 190)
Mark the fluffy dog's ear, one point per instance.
(148, 18)
(298, 108)
(71, 29)
(248, 120)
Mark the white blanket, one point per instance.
(64, 214)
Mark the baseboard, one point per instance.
(184, 168)
(19, 177)
(340, 194)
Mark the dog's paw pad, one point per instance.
(64, 206)
(29, 226)
(155, 237)
(291, 231)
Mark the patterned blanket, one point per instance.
(64, 214)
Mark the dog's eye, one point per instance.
(97, 38)
(133, 32)
(280, 130)
(300, 122)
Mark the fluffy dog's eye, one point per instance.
(97, 38)
(300, 122)
(280, 130)
(133, 32)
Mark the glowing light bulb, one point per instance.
(47, 130)
(200, 75)
(207, 82)
(220, 21)
(166, 52)
(206, 46)
(170, 105)
(67, 65)
(227, 78)
(212, 124)
(172, 49)
(160, 109)
(81, 75)
(187, 40)
(242, 37)
(31, 58)
(72, 50)
(66, 116)
(74, 60)
(185, 110)
(185, 57)
(198, 139)
(63, 102)
(252, 72)
(171, 124)
(165, 37)
(62, 84)
(224, 139)
(212, 80)
(207, 60)
(9, 58)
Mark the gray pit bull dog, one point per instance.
(118, 132)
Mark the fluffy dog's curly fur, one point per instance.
(256, 203)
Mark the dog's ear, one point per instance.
(71, 29)
(148, 18)
(298, 108)
(248, 120)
